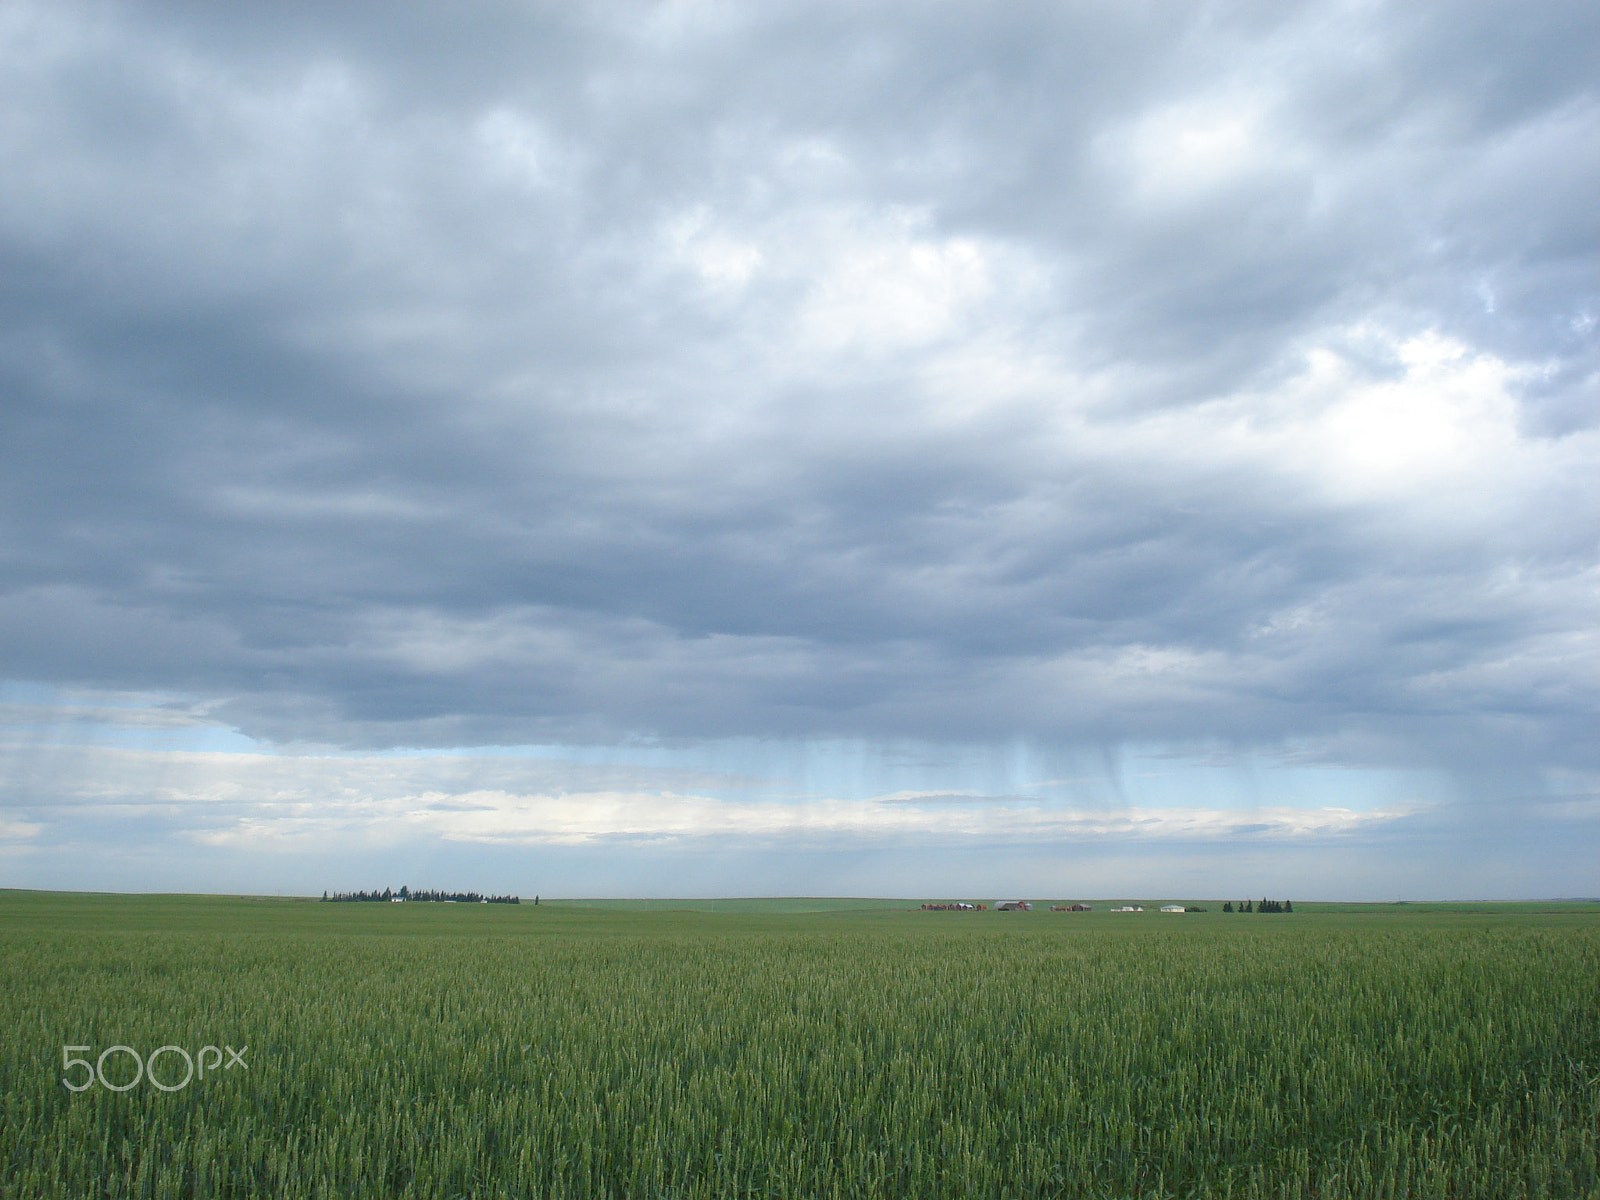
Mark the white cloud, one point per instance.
(1197, 150)
(15, 831)
(723, 259)
(885, 288)
(1450, 415)
(290, 804)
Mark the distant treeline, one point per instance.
(1267, 906)
(406, 893)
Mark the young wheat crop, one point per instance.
(913, 1055)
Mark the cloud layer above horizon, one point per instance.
(1217, 381)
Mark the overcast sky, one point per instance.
(911, 449)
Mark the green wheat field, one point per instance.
(797, 1049)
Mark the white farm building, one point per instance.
(1172, 908)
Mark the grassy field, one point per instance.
(851, 1049)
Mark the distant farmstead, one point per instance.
(1173, 908)
(1012, 906)
(390, 896)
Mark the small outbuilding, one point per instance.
(1012, 906)
(1172, 908)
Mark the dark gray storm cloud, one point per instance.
(1082, 373)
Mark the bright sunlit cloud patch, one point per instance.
(1451, 412)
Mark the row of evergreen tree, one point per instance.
(406, 893)
(1269, 906)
